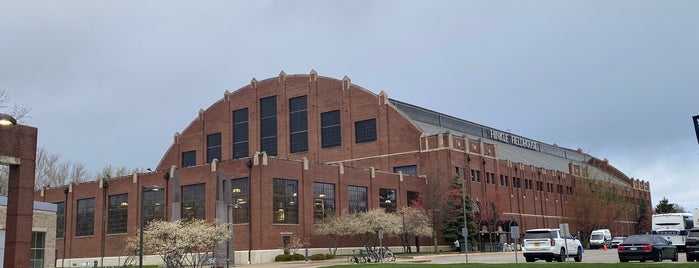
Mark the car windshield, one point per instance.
(639, 239)
(596, 237)
(619, 238)
(693, 233)
(537, 234)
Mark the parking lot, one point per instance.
(590, 256)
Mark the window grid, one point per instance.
(117, 214)
(189, 158)
(413, 198)
(240, 133)
(285, 201)
(38, 247)
(85, 218)
(407, 170)
(60, 219)
(330, 129)
(241, 200)
(268, 125)
(213, 147)
(153, 206)
(387, 199)
(298, 124)
(323, 200)
(365, 131)
(357, 199)
(193, 201)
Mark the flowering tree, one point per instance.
(336, 229)
(179, 243)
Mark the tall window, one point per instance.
(357, 199)
(285, 201)
(118, 213)
(153, 206)
(60, 219)
(85, 223)
(38, 247)
(240, 200)
(413, 198)
(189, 158)
(268, 125)
(330, 129)
(365, 131)
(213, 147)
(240, 133)
(193, 201)
(298, 124)
(407, 170)
(387, 199)
(323, 200)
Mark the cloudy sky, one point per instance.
(110, 82)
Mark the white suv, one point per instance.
(547, 244)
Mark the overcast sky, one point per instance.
(110, 82)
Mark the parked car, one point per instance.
(600, 238)
(646, 247)
(617, 240)
(691, 244)
(547, 244)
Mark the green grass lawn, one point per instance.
(520, 265)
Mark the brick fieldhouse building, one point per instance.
(286, 151)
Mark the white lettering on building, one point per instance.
(513, 139)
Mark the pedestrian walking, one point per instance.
(457, 245)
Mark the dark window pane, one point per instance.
(240, 133)
(285, 201)
(413, 198)
(189, 158)
(193, 201)
(298, 125)
(213, 147)
(323, 200)
(85, 222)
(357, 199)
(407, 170)
(330, 129)
(118, 213)
(365, 131)
(38, 246)
(387, 199)
(268, 125)
(240, 205)
(153, 205)
(60, 219)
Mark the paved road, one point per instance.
(590, 256)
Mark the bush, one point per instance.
(282, 257)
(298, 257)
(318, 257)
(329, 256)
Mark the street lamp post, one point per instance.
(230, 245)
(144, 189)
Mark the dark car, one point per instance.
(692, 245)
(646, 247)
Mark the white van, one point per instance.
(600, 238)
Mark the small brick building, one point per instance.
(43, 244)
(286, 151)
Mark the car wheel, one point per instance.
(689, 259)
(549, 259)
(578, 256)
(675, 258)
(623, 260)
(562, 256)
(529, 259)
(658, 256)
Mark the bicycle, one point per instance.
(357, 257)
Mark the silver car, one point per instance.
(617, 240)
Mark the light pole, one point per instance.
(232, 235)
(144, 189)
(249, 165)
(406, 246)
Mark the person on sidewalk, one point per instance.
(457, 245)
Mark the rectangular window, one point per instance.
(407, 170)
(38, 247)
(240, 133)
(357, 199)
(324, 200)
(241, 200)
(193, 201)
(365, 131)
(268, 125)
(118, 213)
(60, 219)
(85, 222)
(285, 199)
(298, 124)
(189, 158)
(330, 129)
(387, 199)
(413, 198)
(153, 206)
(213, 147)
